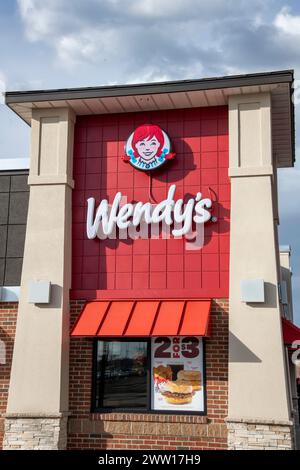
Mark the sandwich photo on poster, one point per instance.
(177, 373)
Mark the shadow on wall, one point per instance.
(241, 351)
(237, 348)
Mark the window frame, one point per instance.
(148, 409)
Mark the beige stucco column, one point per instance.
(38, 394)
(259, 407)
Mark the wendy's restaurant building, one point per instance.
(154, 308)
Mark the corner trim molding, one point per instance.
(35, 180)
(251, 171)
(273, 422)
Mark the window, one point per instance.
(164, 374)
(121, 374)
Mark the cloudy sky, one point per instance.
(63, 43)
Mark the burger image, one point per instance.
(177, 394)
(162, 373)
(190, 377)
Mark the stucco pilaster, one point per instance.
(257, 375)
(39, 375)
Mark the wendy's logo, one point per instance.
(148, 147)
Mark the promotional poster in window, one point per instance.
(177, 374)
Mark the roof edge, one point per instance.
(230, 81)
(14, 164)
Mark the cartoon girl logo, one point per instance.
(148, 147)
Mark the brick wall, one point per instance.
(119, 430)
(150, 431)
(8, 318)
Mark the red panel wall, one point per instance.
(152, 268)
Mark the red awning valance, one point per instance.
(143, 318)
(291, 332)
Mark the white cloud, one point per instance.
(162, 9)
(39, 18)
(287, 23)
(132, 36)
(72, 49)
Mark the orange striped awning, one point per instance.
(128, 318)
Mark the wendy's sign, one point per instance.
(103, 221)
(148, 148)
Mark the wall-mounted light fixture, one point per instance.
(252, 290)
(39, 292)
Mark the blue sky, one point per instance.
(59, 43)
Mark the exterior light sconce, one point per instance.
(252, 291)
(39, 292)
